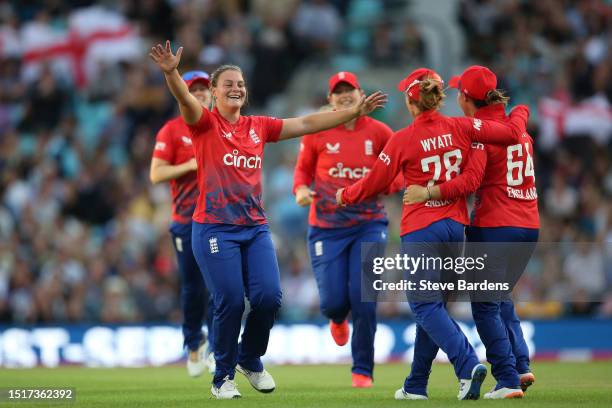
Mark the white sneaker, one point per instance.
(262, 381)
(196, 361)
(227, 390)
(211, 363)
(470, 389)
(503, 393)
(403, 395)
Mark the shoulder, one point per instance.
(378, 125)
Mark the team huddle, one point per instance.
(347, 160)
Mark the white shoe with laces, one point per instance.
(196, 361)
(401, 394)
(469, 389)
(262, 381)
(227, 390)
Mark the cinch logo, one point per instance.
(160, 146)
(346, 172)
(186, 140)
(235, 160)
(385, 158)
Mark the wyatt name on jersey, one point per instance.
(437, 142)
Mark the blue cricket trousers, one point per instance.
(497, 323)
(239, 261)
(435, 328)
(194, 296)
(335, 254)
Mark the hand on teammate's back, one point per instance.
(415, 194)
(304, 196)
(164, 58)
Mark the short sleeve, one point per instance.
(201, 125)
(164, 148)
(272, 128)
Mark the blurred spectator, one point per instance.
(83, 233)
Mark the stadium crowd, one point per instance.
(83, 233)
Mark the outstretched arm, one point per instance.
(316, 122)
(190, 108)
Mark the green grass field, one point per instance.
(558, 385)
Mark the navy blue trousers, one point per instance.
(435, 328)
(239, 261)
(335, 254)
(497, 323)
(195, 300)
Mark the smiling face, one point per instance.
(230, 91)
(344, 96)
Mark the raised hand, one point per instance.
(371, 103)
(164, 58)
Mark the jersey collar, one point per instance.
(495, 111)
(427, 116)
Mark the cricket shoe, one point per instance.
(227, 390)
(504, 393)
(401, 394)
(196, 360)
(340, 332)
(470, 389)
(262, 381)
(361, 381)
(527, 380)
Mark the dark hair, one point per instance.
(431, 95)
(214, 79)
(493, 96)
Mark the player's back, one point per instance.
(437, 146)
(507, 195)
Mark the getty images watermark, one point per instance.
(425, 271)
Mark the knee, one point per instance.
(484, 309)
(424, 311)
(268, 302)
(229, 306)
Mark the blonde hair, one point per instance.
(496, 96)
(431, 95)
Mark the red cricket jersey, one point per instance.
(173, 144)
(429, 152)
(336, 158)
(230, 157)
(507, 196)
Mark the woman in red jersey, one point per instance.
(327, 161)
(173, 161)
(506, 211)
(427, 152)
(230, 236)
